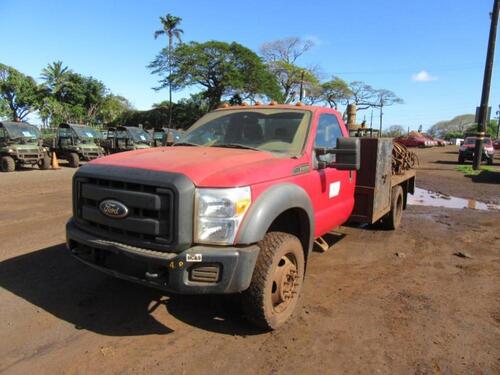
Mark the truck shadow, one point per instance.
(52, 280)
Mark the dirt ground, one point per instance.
(437, 172)
(376, 302)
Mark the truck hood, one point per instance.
(208, 166)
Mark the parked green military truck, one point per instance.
(75, 143)
(166, 136)
(21, 145)
(126, 138)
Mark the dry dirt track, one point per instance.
(364, 309)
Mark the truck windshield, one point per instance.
(138, 135)
(274, 130)
(25, 132)
(86, 133)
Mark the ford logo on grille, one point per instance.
(113, 209)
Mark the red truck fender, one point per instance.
(284, 207)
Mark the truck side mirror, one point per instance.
(347, 155)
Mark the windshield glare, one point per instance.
(22, 131)
(273, 130)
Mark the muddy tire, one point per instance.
(461, 159)
(74, 160)
(276, 282)
(393, 218)
(7, 164)
(44, 163)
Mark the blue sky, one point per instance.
(385, 43)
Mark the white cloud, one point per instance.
(423, 76)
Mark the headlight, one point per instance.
(218, 214)
(11, 150)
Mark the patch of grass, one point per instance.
(469, 171)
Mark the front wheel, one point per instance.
(44, 163)
(461, 159)
(74, 160)
(276, 282)
(490, 160)
(7, 164)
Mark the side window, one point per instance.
(326, 134)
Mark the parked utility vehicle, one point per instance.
(21, 145)
(126, 138)
(75, 143)
(236, 206)
(165, 136)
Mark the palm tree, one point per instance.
(54, 77)
(170, 28)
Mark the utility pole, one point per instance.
(381, 114)
(371, 120)
(498, 120)
(485, 95)
(301, 86)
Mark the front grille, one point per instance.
(150, 220)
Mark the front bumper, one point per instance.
(92, 155)
(469, 154)
(229, 269)
(28, 157)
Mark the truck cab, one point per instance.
(21, 145)
(233, 207)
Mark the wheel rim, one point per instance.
(286, 281)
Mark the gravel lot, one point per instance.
(376, 302)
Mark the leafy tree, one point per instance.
(394, 131)
(453, 128)
(19, 93)
(335, 92)
(112, 107)
(362, 94)
(170, 28)
(184, 114)
(385, 98)
(54, 78)
(281, 57)
(287, 50)
(222, 69)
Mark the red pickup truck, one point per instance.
(235, 206)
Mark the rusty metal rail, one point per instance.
(402, 159)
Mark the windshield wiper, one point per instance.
(185, 144)
(235, 145)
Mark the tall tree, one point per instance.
(281, 57)
(54, 77)
(222, 69)
(362, 94)
(170, 28)
(335, 92)
(384, 98)
(18, 92)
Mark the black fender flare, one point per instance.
(268, 206)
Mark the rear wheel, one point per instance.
(74, 160)
(276, 282)
(44, 163)
(393, 218)
(7, 164)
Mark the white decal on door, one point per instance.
(334, 189)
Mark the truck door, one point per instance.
(334, 189)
